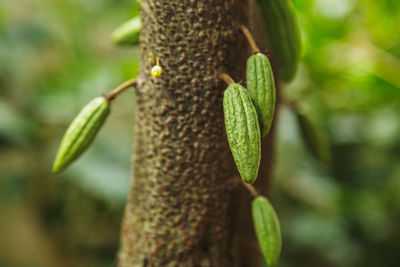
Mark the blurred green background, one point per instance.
(56, 55)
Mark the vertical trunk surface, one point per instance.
(184, 208)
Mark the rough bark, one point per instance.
(184, 206)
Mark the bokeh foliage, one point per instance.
(56, 55)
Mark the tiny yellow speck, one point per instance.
(156, 71)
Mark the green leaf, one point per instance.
(314, 137)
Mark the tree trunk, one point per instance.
(185, 207)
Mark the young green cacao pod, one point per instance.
(267, 228)
(128, 33)
(283, 34)
(313, 136)
(261, 86)
(243, 131)
(81, 132)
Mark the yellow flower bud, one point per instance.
(156, 71)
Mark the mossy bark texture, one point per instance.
(185, 207)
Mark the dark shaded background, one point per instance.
(56, 55)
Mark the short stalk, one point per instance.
(249, 188)
(119, 89)
(226, 78)
(250, 39)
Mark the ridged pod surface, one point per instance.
(243, 131)
(283, 34)
(261, 86)
(313, 136)
(128, 33)
(267, 228)
(81, 132)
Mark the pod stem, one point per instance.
(226, 78)
(250, 39)
(120, 88)
(249, 187)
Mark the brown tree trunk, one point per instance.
(185, 208)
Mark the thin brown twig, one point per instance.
(250, 39)
(120, 88)
(249, 187)
(226, 78)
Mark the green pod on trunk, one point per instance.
(261, 86)
(81, 132)
(313, 136)
(243, 131)
(128, 33)
(283, 34)
(267, 228)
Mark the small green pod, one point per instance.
(283, 35)
(261, 86)
(243, 131)
(81, 132)
(128, 33)
(267, 228)
(313, 136)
